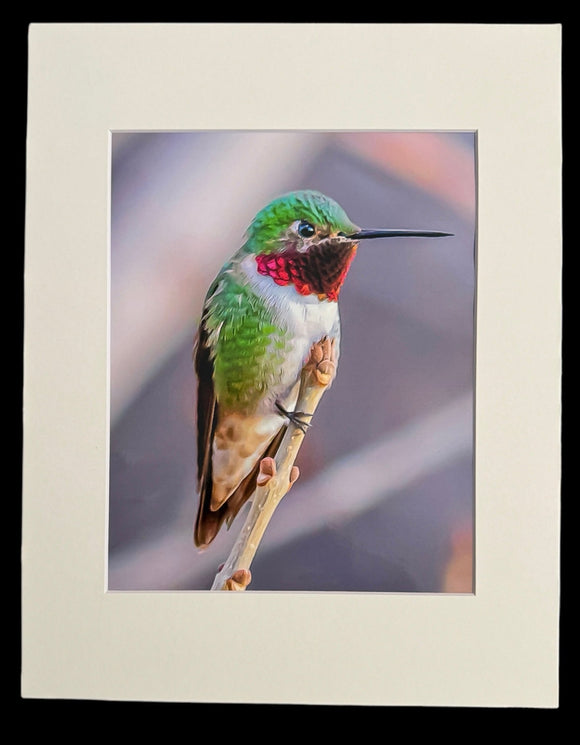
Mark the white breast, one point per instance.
(307, 319)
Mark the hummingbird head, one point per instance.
(306, 239)
(297, 222)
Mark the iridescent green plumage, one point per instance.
(247, 347)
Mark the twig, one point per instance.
(276, 477)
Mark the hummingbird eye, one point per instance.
(305, 229)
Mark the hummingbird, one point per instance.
(274, 299)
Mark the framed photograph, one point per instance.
(192, 230)
(386, 494)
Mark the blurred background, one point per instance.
(385, 500)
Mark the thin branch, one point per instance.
(277, 475)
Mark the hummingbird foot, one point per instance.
(295, 417)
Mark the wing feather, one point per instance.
(207, 522)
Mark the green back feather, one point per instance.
(246, 346)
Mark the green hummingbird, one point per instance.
(274, 299)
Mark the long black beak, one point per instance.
(394, 233)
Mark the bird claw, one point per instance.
(295, 417)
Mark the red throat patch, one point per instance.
(319, 271)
